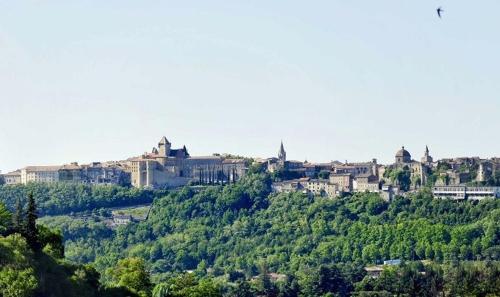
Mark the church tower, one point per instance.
(426, 159)
(164, 147)
(282, 153)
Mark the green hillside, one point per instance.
(243, 240)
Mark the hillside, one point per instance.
(243, 230)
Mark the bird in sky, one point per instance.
(439, 11)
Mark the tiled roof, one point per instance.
(17, 172)
(42, 168)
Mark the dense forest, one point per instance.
(243, 240)
(32, 261)
(64, 198)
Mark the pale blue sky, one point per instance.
(99, 80)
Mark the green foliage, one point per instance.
(63, 198)
(17, 276)
(17, 218)
(324, 174)
(186, 285)
(401, 177)
(32, 264)
(30, 229)
(240, 226)
(5, 218)
(473, 279)
(416, 279)
(242, 240)
(324, 280)
(131, 273)
(17, 283)
(284, 174)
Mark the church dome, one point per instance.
(402, 153)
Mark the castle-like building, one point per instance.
(167, 167)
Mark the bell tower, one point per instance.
(282, 153)
(426, 159)
(164, 147)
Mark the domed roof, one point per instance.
(403, 153)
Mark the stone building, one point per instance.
(366, 182)
(344, 181)
(321, 187)
(419, 170)
(45, 174)
(296, 168)
(289, 186)
(488, 169)
(12, 178)
(106, 173)
(357, 169)
(94, 173)
(402, 157)
(167, 167)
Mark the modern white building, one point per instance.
(465, 192)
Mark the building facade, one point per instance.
(344, 181)
(167, 167)
(12, 178)
(40, 174)
(94, 173)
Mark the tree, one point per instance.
(162, 290)
(30, 229)
(17, 218)
(5, 218)
(51, 242)
(131, 273)
(242, 289)
(17, 276)
(324, 174)
(17, 283)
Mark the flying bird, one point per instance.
(439, 11)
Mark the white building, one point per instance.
(40, 174)
(12, 178)
(322, 188)
(465, 192)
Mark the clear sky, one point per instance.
(104, 80)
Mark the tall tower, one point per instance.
(282, 153)
(426, 159)
(164, 147)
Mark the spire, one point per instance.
(164, 140)
(427, 159)
(282, 153)
(164, 147)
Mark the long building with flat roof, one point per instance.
(466, 192)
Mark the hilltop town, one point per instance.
(165, 167)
